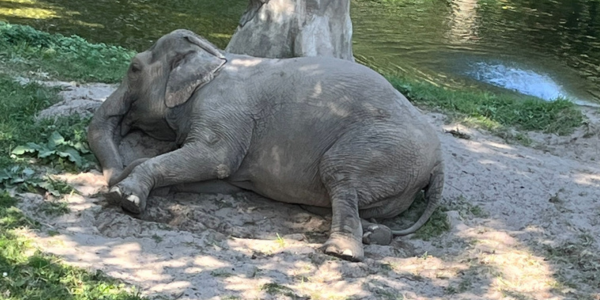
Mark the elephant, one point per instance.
(316, 131)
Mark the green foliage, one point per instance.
(18, 106)
(280, 241)
(400, 2)
(31, 274)
(61, 142)
(57, 150)
(438, 224)
(55, 208)
(221, 273)
(11, 217)
(23, 48)
(72, 128)
(495, 111)
(28, 180)
(278, 289)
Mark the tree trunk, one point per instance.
(292, 28)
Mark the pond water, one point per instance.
(544, 48)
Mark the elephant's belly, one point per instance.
(301, 186)
(293, 193)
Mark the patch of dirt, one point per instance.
(525, 224)
(81, 99)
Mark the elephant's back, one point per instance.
(304, 105)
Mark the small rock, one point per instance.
(456, 221)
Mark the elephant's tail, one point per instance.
(433, 196)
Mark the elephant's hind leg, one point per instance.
(373, 233)
(364, 169)
(345, 238)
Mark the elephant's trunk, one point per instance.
(104, 137)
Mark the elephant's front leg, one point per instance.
(191, 163)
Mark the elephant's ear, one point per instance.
(194, 70)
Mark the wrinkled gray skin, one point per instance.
(317, 131)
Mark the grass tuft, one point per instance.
(495, 111)
(275, 289)
(437, 225)
(55, 208)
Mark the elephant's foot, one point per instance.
(376, 234)
(128, 201)
(344, 246)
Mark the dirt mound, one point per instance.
(81, 99)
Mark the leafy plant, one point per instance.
(57, 149)
(55, 208)
(27, 180)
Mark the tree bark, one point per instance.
(292, 28)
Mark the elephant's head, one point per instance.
(163, 77)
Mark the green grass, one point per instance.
(18, 107)
(494, 112)
(437, 225)
(55, 208)
(276, 289)
(24, 49)
(31, 274)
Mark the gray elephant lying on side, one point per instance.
(316, 131)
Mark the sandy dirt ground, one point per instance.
(524, 224)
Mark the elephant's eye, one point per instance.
(135, 67)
